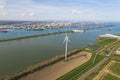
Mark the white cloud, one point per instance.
(29, 10)
(26, 9)
(23, 14)
(3, 13)
(28, 14)
(31, 14)
(2, 1)
(76, 11)
(2, 7)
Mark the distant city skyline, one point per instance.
(82, 10)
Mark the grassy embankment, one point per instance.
(39, 35)
(80, 70)
(104, 44)
(115, 68)
(112, 48)
(40, 66)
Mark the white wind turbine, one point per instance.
(66, 40)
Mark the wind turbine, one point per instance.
(66, 40)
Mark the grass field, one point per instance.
(116, 68)
(116, 58)
(110, 77)
(97, 71)
(104, 41)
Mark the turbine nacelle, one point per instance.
(66, 38)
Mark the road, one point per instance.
(102, 73)
(83, 77)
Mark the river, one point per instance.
(17, 55)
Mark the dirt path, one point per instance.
(83, 77)
(103, 72)
(113, 74)
(58, 69)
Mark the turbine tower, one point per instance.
(66, 40)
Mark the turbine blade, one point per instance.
(64, 40)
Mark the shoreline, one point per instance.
(27, 37)
(60, 68)
(40, 66)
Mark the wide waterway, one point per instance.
(19, 54)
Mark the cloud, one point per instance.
(2, 7)
(31, 14)
(3, 13)
(28, 14)
(2, 1)
(23, 14)
(39, 10)
(76, 11)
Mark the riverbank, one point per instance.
(40, 66)
(56, 70)
(27, 37)
(99, 27)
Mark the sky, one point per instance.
(82, 10)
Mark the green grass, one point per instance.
(116, 68)
(116, 58)
(111, 47)
(77, 72)
(90, 77)
(104, 41)
(110, 77)
(32, 36)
